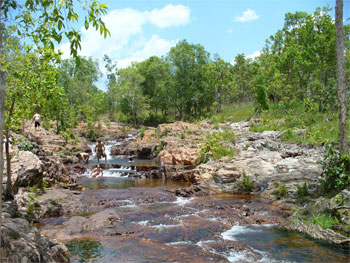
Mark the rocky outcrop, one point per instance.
(78, 226)
(315, 231)
(23, 243)
(263, 165)
(27, 170)
(337, 207)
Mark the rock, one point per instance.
(27, 169)
(315, 231)
(145, 151)
(105, 218)
(78, 226)
(23, 243)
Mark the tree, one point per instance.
(343, 111)
(133, 103)
(44, 21)
(188, 66)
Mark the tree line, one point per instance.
(297, 65)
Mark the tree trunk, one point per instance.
(8, 193)
(2, 111)
(342, 131)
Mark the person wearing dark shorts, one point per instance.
(100, 151)
(36, 119)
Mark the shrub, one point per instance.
(281, 191)
(325, 220)
(214, 147)
(142, 132)
(336, 172)
(246, 184)
(303, 192)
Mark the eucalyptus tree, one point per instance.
(43, 21)
(341, 80)
(300, 58)
(243, 71)
(133, 104)
(78, 80)
(188, 63)
(112, 94)
(156, 73)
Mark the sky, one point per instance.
(144, 28)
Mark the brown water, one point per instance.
(157, 226)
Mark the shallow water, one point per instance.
(157, 226)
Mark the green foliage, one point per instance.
(246, 184)
(228, 135)
(44, 185)
(142, 132)
(233, 113)
(160, 147)
(215, 147)
(281, 190)
(336, 172)
(163, 133)
(107, 123)
(31, 196)
(325, 220)
(182, 136)
(26, 146)
(318, 128)
(260, 94)
(30, 209)
(91, 132)
(303, 192)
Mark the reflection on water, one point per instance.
(126, 182)
(85, 250)
(125, 162)
(283, 246)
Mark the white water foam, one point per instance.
(161, 226)
(236, 230)
(179, 243)
(182, 201)
(243, 256)
(143, 223)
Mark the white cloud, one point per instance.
(127, 42)
(254, 55)
(229, 30)
(248, 15)
(155, 46)
(170, 16)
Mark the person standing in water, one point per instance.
(36, 118)
(100, 150)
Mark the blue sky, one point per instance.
(142, 28)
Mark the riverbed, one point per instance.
(154, 225)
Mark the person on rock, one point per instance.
(36, 119)
(83, 157)
(96, 171)
(100, 150)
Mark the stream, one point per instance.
(157, 226)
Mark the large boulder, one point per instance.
(23, 243)
(27, 169)
(146, 151)
(180, 155)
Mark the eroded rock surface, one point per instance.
(23, 243)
